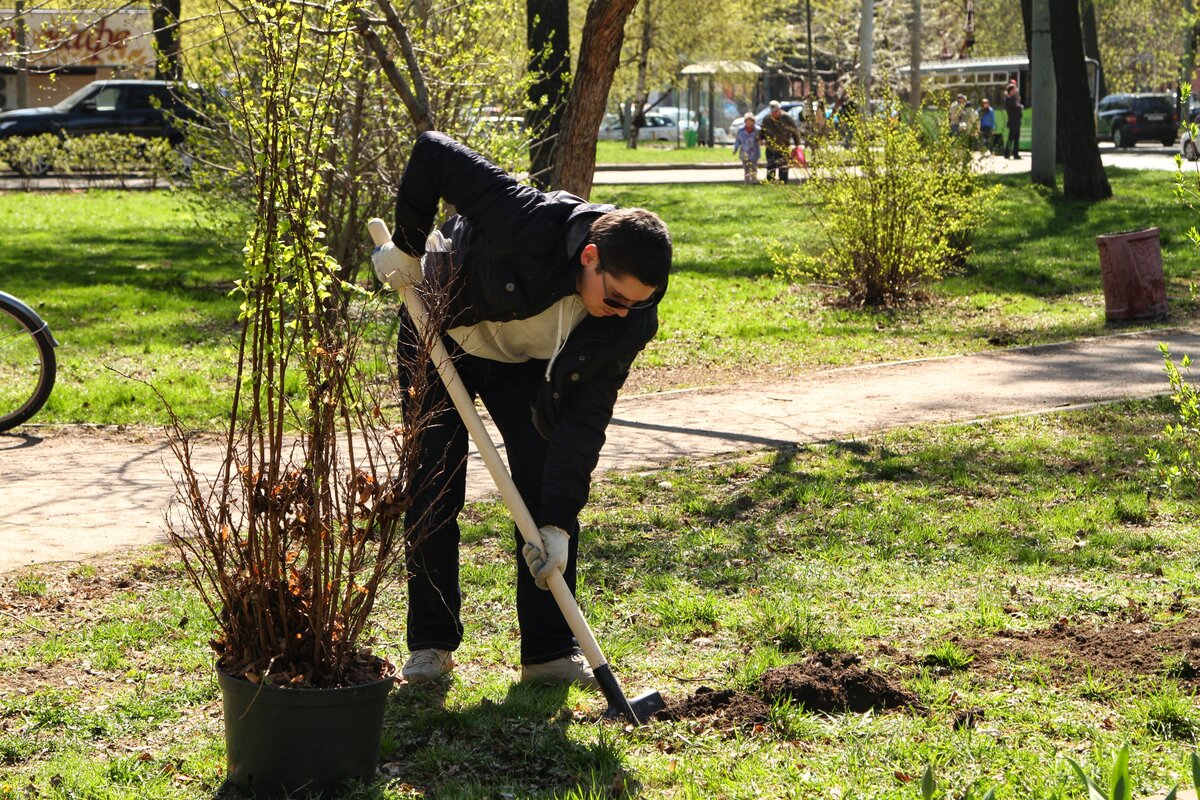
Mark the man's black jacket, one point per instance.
(515, 253)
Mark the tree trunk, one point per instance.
(164, 15)
(1091, 42)
(1083, 173)
(914, 60)
(548, 35)
(574, 160)
(1027, 26)
(640, 93)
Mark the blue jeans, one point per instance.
(439, 492)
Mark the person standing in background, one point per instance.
(745, 146)
(1014, 108)
(779, 132)
(987, 123)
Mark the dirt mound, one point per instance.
(834, 682)
(715, 706)
(1069, 648)
(824, 682)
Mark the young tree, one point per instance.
(1083, 173)
(440, 64)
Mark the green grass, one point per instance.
(129, 286)
(1034, 277)
(901, 547)
(663, 153)
(132, 288)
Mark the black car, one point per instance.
(142, 108)
(1130, 118)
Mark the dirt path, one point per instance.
(78, 492)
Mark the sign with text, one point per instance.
(91, 38)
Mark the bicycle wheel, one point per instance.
(27, 363)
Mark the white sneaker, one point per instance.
(426, 666)
(569, 669)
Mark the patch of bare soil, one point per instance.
(835, 682)
(37, 602)
(1068, 649)
(829, 682)
(716, 706)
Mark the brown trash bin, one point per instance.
(1131, 270)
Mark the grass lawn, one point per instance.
(662, 153)
(1014, 582)
(131, 287)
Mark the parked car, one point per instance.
(1127, 119)
(139, 107)
(685, 118)
(657, 127)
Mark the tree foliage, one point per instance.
(1141, 43)
(469, 63)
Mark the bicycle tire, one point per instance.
(47, 365)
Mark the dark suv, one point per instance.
(142, 108)
(1129, 118)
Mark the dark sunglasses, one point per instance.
(611, 303)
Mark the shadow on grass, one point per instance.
(517, 747)
(1065, 489)
(147, 259)
(1042, 245)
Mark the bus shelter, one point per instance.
(715, 89)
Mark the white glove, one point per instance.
(543, 565)
(436, 243)
(395, 267)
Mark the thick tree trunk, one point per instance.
(599, 53)
(1083, 173)
(548, 36)
(164, 15)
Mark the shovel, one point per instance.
(640, 708)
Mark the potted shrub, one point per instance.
(292, 535)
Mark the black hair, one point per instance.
(633, 241)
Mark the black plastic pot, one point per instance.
(291, 742)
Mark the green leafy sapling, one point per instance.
(1120, 787)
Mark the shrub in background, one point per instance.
(899, 207)
(32, 155)
(95, 155)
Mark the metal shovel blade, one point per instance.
(636, 711)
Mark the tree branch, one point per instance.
(417, 103)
